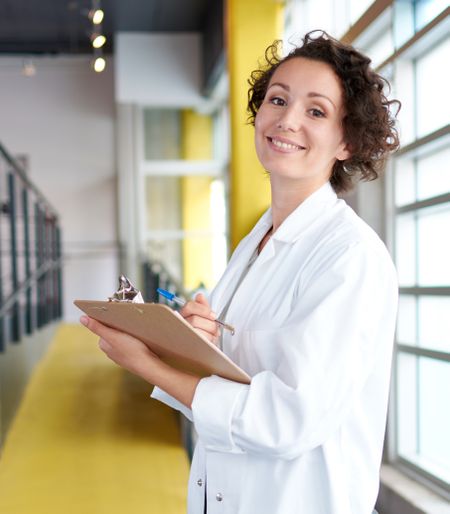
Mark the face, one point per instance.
(298, 128)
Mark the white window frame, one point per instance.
(414, 49)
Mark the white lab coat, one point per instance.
(314, 322)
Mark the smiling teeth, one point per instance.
(286, 146)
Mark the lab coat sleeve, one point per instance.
(343, 316)
(162, 396)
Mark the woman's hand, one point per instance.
(199, 314)
(125, 350)
(135, 356)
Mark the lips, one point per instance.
(284, 144)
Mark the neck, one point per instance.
(287, 196)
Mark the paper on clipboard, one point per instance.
(168, 335)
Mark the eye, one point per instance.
(276, 100)
(317, 113)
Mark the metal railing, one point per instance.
(156, 275)
(30, 255)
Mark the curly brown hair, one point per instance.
(368, 122)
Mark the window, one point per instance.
(433, 107)
(421, 227)
(181, 193)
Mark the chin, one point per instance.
(285, 172)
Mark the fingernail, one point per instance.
(84, 320)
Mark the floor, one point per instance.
(87, 439)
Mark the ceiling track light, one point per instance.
(99, 64)
(96, 15)
(98, 40)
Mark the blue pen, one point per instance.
(180, 301)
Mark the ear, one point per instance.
(343, 152)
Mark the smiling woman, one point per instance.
(312, 295)
(298, 128)
(362, 111)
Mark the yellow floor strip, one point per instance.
(87, 439)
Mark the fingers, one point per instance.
(210, 329)
(104, 345)
(199, 314)
(201, 298)
(125, 350)
(98, 328)
(105, 333)
(198, 307)
(212, 338)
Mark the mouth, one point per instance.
(284, 145)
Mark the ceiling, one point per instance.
(62, 26)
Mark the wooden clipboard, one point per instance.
(168, 335)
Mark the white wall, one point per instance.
(161, 69)
(63, 118)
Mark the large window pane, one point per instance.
(403, 22)
(423, 390)
(405, 181)
(424, 321)
(406, 320)
(405, 249)
(433, 174)
(381, 48)
(161, 134)
(404, 89)
(433, 229)
(163, 203)
(358, 8)
(406, 405)
(426, 10)
(434, 425)
(433, 77)
(434, 322)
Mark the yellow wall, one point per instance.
(195, 195)
(252, 25)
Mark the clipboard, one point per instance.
(168, 335)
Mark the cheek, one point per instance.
(259, 118)
(259, 130)
(330, 138)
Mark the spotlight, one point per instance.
(99, 64)
(96, 15)
(98, 40)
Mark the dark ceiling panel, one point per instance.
(161, 15)
(62, 26)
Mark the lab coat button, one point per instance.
(219, 497)
(199, 482)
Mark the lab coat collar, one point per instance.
(301, 218)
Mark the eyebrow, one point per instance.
(312, 94)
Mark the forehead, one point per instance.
(306, 75)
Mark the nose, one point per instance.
(290, 120)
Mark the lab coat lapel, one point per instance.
(298, 222)
(294, 226)
(306, 214)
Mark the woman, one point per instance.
(312, 294)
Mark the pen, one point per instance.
(180, 301)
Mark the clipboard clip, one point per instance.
(126, 292)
